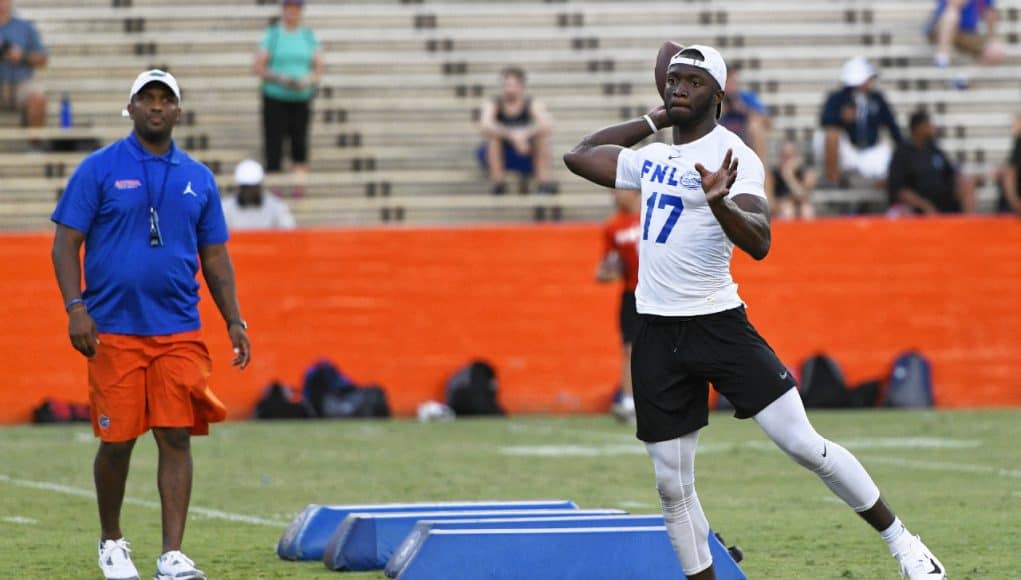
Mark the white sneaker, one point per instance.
(115, 560)
(176, 566)
(918, 563)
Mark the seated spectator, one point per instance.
(794, 183)
(748, 118)
(1010, 177)
(254, 208)
(851, 120)
(957, 23)
(21, 52)
(517, 132)
(922, 179)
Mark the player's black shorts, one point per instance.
(628, 318)
(674, 359)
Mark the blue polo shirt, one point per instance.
(130, 286)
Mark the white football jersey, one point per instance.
(683, 253)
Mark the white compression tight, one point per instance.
(786, 423)
(686, 524)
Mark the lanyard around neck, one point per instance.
(155, 235)
(154, 204)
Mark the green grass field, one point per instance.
(954, 477)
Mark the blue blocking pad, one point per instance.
(306, 537)
(366, 541)
(411, 542)
(555, 554)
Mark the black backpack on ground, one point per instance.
(472, 390)
(823, 386)
(277, 402)
(332, 395)
(57, 411)
(360, 402)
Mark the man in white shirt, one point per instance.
(693, 329)
(254, 208)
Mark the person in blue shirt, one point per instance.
(149, 216)
(290, 63)
(957, 23)
(851, 119)
(21, 52)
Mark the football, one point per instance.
(666, 52)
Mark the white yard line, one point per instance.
(636, 505)
(90, 494)
(19, 520)
(943, 466)
(630, 446)
(865, 443)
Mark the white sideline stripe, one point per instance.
(90, 494)
(944, 466)
(19, 520)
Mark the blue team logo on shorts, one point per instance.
(104, 422)
(691, 180)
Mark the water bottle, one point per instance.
(66, 119)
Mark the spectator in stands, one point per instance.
(957, 23)
(851, 120)
(290, 63)
(516, 128)
(620, 262)
(1010, 177)
(794, 183)
(21, 52)
(922, 179)
(746, 115)
(254, 208)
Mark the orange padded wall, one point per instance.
(405, 307)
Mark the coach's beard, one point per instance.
(156, 136)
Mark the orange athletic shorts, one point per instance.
(138, 382)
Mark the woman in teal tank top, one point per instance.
(289, 61)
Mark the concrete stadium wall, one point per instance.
(405, 307)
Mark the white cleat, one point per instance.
(115, 560)
(918, 563)
(174, 565)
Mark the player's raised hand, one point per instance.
(716, 184)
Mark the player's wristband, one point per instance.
(69, 305)
(652, 125)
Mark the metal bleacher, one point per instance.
(395, 128)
